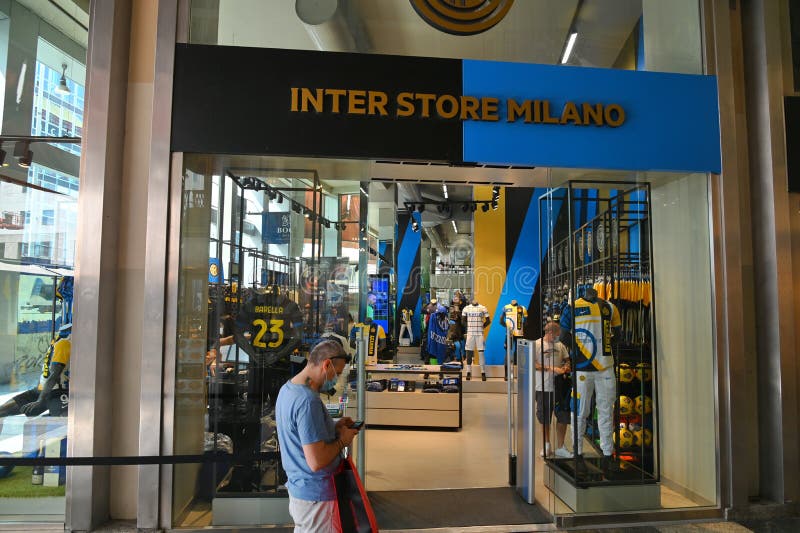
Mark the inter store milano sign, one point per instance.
(301, 103)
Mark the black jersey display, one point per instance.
(268, 327)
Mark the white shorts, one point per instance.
(314, 517)
(475, 342)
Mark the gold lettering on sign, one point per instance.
(570, 113)
(357, 102)
(469, 108)
(614, 115)
(516, 110)
(451, 107)
(593, 113)
(336, 95)
(315, 99)
(405, 106)
(489, 109)
(377, 103)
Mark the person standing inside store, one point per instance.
(311, 442)
(552, 362)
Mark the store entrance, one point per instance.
(437, 393)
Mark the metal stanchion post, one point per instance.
(512, 456)
(361, 396)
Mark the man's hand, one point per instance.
(31, 408)
(346, 435)
(345, 422)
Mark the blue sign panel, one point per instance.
(276, 228)
(669, 122)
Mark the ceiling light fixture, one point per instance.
(473, 207)
(363, 192)
(63, 88)
(455, 228)
(296, 208)
(465, 207)
(485, 207)
(568, 50)
(444, 190)
(414, 226)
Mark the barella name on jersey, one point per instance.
(447, 106)
(268, 309)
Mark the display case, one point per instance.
(596, 280)
(424, 396)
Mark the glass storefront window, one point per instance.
(624, 34)
(42, 78)
(418, 242)
(264, 274)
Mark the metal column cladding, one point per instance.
(409, 243)
(593, 118)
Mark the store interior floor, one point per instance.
(474, 457)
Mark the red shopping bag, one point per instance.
(355, 511)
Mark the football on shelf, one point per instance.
(642, 437)
(643, 372)
(625, 438)
(644, 405)
(626, 373)
(626, 405)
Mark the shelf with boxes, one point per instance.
(412, 396)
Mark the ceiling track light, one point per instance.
(414, 226)
(455, 228)
(473, 207)
(465, 207)
(444, 190)
(570, 44)
(485, 207)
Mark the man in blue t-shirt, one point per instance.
(311, 443)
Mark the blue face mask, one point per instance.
(330, 384)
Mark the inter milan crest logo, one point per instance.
(462, 17)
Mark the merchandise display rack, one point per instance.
(412, 409)
(597, 234)
(242, 393)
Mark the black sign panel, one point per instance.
(791, 109)
(237, 100)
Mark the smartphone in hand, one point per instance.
(357, 424)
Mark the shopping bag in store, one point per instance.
(355, 511)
